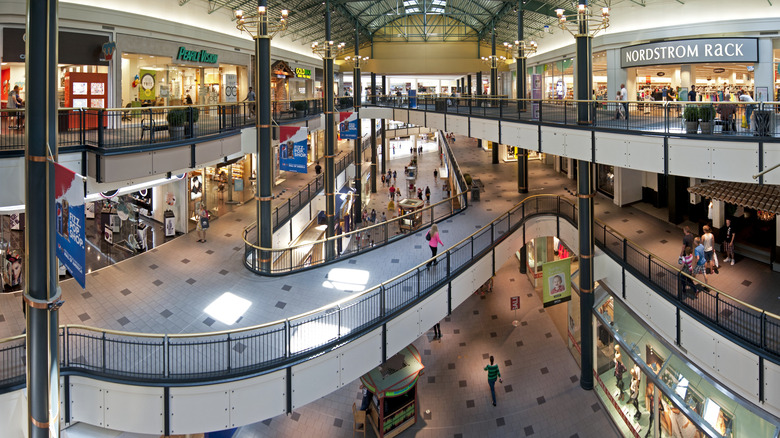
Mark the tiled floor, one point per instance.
(540, 395)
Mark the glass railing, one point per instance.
(673, 118)
(203, 357)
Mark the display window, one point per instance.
(648, 387)
(150, 80)
(713, 81)
(606, 179)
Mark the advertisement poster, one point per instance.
(536, 94)
(146, 90)
(348, 125)
(196, 187)
(556, 280)
(69, 202)
(293, 149)
(230, 90)
(412, 99)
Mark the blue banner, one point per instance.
(293, 148)
(69, 203)
(412, 99)
(348, 125)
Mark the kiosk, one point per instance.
(394, 407)
(414, 220)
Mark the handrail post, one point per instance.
(190, 122)
(103, 342)
(151, 126)
(650, 267)
(625, 243)
(717, 307)
(100, 128)
(227, 344)
(418, 280)
(763, 329)
(287, 346)
(449, 266)
(382, 301)
(166, 356)
(666, 117)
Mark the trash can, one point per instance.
(474, 192)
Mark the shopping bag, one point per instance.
(744, 122)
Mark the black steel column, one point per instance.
(42, 354)
(479, 84)
(357, 207)
(384, 147)
(373, 135)
(585, 194)
(522, 158)
(494, 86)
(468, 86)
(330, 140)
(264, 154)
(584, 79)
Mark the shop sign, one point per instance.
(196, 56)
(690, 52)
(304, 73)
(108, 50)
(293, 148)
(69, 205)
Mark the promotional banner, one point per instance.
(412, 99)
(148, 79)
(69, 202)
(348, 125)
(230, 89)
(293, 148)
(556, 281)
(536, 94)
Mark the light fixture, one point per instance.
(260, 26)
(327, 49)
(520, 48)
(356, 61)
(583, 22)
(765, 215)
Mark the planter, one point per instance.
(176, 132)
(706, 127)
(691, 127)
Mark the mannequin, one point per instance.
(619, 370)
(633, 397)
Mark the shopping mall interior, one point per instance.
(444, 218)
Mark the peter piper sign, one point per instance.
(690, 52)
(196, 56)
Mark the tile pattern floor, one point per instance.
(540, 395)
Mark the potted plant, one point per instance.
(691, 116)
(176, 120)
(195, 117)
(707, 116)
(300, 107)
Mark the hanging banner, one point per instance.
(230, 89)
(69, 202)
(293, 148)
(556, 281)
(536, 94)
(348, 125)
(413, 99)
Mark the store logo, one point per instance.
(196, 56)
(691, 51)
(303, 73)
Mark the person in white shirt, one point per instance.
(624, 98)
(745, 97)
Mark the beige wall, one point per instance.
(427, 58)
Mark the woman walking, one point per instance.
(203, 223)
(433, 242)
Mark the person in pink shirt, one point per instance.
(433, 241)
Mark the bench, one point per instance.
(152, 125)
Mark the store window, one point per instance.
(640, 379)
(606, 179)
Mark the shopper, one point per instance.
(250, 97)
(728, 243)
(493, 374)
(692, 94)
(392, 192)
(745, 97)
(708, 240)
(437, 331)
(687, 240)
(427, 195)
(433, 242)
(624, 98)
(395, 175)
(203, 223)
(727, 111)
(435, 175)
(699, 260)
(14, 102)
(318, 168)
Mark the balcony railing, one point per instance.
(733, 119)
(202, 357)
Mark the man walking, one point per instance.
(250, 97)
(624, 99)
(493, 374)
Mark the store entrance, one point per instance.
(712, 80)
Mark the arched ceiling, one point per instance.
(412, 20)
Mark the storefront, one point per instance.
(605, 179)
(157, 72)
(220, 187)
(81, 61)
(650, 389)
(716, 66)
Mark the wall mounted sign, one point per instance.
(690, 52)
(303, 73)
(196, 56)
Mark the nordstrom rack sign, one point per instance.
(690, 52)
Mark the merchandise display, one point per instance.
(689, 404)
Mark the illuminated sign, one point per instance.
(303, 73)
(196, 56)
(690, 52)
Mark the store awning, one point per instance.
(757, 197)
